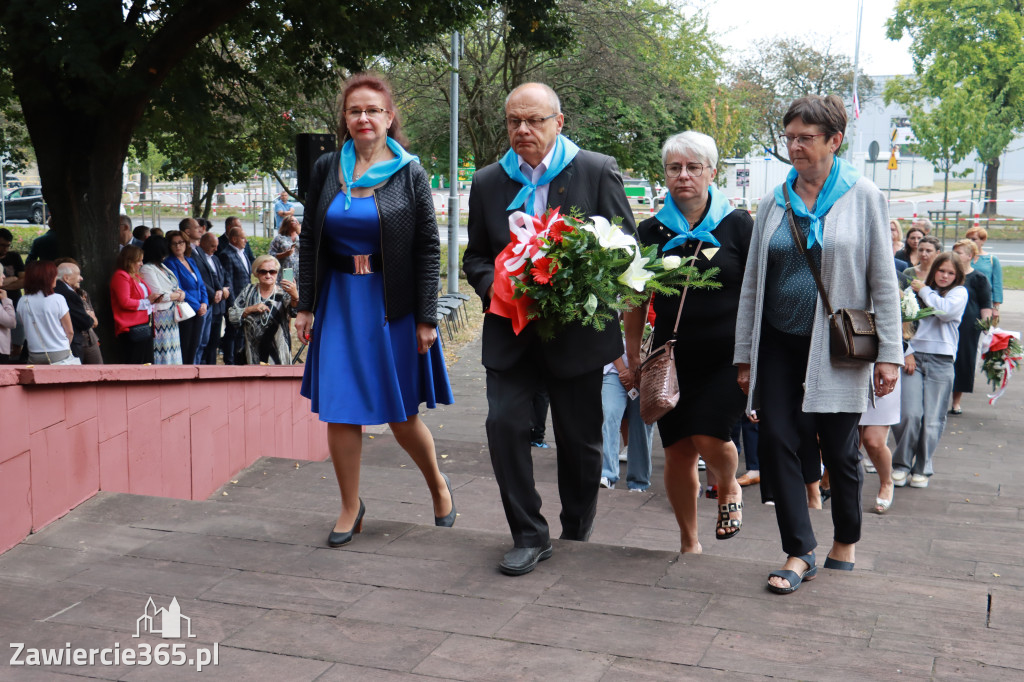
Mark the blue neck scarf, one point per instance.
(377, 173)
(565, 152)
(671, 217)
(840, 179)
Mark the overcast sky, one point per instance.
(738, 23)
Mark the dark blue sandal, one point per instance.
(837, 564)
(793, 577)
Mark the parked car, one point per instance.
(25, 203)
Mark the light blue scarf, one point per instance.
(841, 178)
(565, 152)
(671, 217)
(377, 173)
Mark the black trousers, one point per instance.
(576, 416)
(137, 352)
(190, 332)
(787, 441)
(538, 423)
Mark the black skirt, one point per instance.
(710, 401)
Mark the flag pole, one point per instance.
(856, 75)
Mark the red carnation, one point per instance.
(543, 269)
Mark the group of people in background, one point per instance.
(183, 297)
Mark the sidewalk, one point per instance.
(938, 591)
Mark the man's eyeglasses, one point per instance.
(266, 272)
(371, 112)
(694, 170)
(798, 140)
(534, 123)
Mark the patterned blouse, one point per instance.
(266, 334)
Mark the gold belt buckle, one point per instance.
(361, 265)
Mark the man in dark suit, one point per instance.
(237, 271)
(224, 242)
(69, 276)
(542, 170)
(217, 292)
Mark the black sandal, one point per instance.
(726, 522)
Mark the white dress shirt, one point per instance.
(540, 197)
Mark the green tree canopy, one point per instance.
(628, 74)
(972, 45)
(780, 70)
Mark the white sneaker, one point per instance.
(899, 478)
(623, 454)
(918, 481)
(605, 483)
(701, 466)
(869, 468)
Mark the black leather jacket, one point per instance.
(410, 246)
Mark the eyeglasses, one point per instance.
(371, 112)
(798, 140)
(534, 123)
(694, 170)
(266, 272)
(177, 243)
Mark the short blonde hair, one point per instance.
(260, 260)
(966, 244)
(980, 231)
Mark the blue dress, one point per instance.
(361, 368)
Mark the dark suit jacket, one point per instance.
(214, 279)
(591, 183)
(80, 320)
(223, 243)
(238, 276)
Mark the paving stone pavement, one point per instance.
(938, 590)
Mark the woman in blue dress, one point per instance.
(369, 267)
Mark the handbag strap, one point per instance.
(682, 297)
(800, 246)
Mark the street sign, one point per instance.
(892, 162)
(743, 177)
(873, 151)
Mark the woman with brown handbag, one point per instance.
(799, 386)
(703, 322)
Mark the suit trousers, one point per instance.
(576, 416)
(787, 438)
(189, 332)
(209, 352)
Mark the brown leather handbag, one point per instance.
(852, 333)
(659, 383)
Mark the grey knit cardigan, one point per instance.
(857, 270)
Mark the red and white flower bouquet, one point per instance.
(560, 269)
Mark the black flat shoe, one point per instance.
(449, 520)
(522, 560)
(337, 539)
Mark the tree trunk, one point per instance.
(81, 171)
(197, 196)
(991, 184)
(221, 199)
(143, 185)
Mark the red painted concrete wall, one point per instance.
(174, 431)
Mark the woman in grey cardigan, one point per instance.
(794, 388)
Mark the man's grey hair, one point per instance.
(694, 144)
(125, 220)
(65, 269)
(556, 105)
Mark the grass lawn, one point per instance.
(1013, 277)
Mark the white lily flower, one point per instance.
(671, 262)
(609, 236)
(635, 275)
